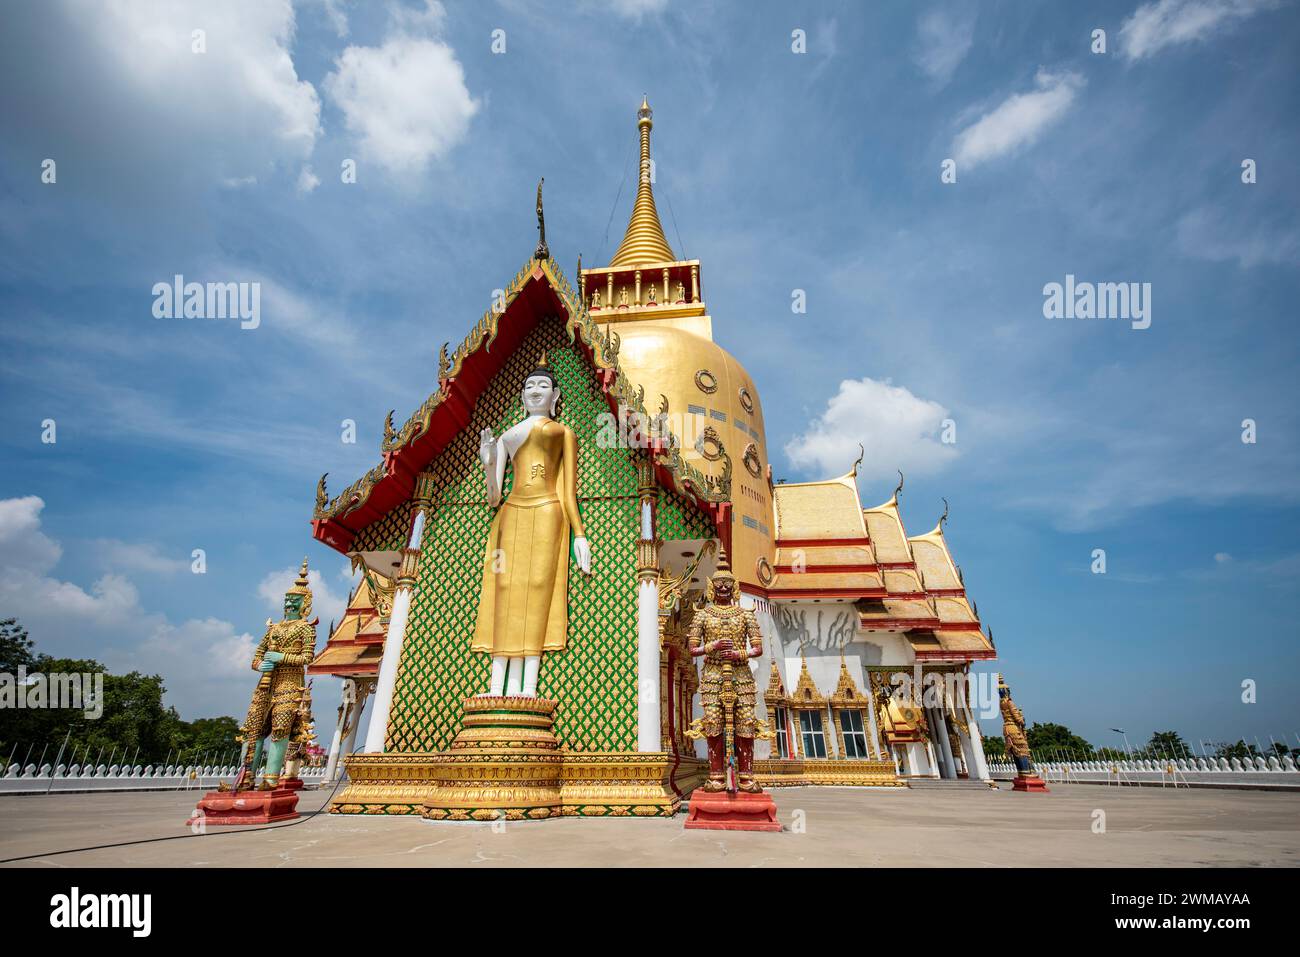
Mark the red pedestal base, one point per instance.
(742, 811)
(291, 784)
(1028, 782)
(246, 807)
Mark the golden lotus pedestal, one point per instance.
(505, 764)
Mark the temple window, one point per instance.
(782, 733)
(855, 737)
(814, 738)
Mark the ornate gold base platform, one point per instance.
(506, 764)
(833, 772)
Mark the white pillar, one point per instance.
(336, 744)
(979, 767)
(395, 638)
(388, 670)
(918, 759)
(873, 742)
(940, 729)
(648, 728)
(358, 712)
(934, 771)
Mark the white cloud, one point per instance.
(223, 651)
(1017, 121)
(21, 539)
(138, 556)
(325, 603)
(899, 430)
(149, 104)
(307, 180)
(637, 9)
(204, 662)
(405, 102)
(944, 38)
(27, 555)
(337, 16)
(1154, 26)
(1209, 234)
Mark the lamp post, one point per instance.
(1127, 749)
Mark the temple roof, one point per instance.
(356, 645)
(805, 692)
(827, 510)
(644, 240)
(537, 291)
(830, 548)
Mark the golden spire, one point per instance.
(644, 240)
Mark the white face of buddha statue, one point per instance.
(540, 395)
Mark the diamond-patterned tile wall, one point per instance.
(386, 535)
(594, 679)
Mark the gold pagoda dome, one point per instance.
(652, 301)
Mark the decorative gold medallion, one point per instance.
(709, 444)
(706, 382)
(752, 465)
(764, 570)
(746, 400)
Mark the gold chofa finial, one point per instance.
(541, 252)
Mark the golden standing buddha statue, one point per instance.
(523, 604)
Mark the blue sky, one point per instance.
(817, 171)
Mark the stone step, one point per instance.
(948, 784)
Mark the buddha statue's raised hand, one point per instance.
(487, 446)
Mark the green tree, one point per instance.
(135, 726)
(15, 647)
(994, 747)
(1048, 741)
(217, 737)
(1239, 750)
(1167, 744)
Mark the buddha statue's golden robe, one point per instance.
(523, 606)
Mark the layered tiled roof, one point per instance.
(830, 548)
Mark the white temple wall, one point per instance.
(762, 665)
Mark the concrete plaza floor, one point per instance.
(824, 827)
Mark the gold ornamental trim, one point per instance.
(706, 381)
(686, 479)
(709, 444)
(591, 784)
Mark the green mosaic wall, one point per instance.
(386, 535)
(594, 679)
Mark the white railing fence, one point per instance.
(30, 779)
(1255, 771)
